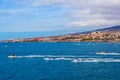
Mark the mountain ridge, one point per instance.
(113, 28)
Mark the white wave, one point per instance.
(48, 59)
(108, 53)
(95, 60)
(112, 54)
(52, 56)
(72, 58)
(59, 57)
(63, 58)
(19, 56)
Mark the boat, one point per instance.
(12, 56)
(76, 60)
(100, 53)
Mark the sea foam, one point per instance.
(72, 58)
(111, 54)
(96, 60)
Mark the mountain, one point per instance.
(114, 28)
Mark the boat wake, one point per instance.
(95, 60)
(72, 58)
(51, 56)
(112, 54)
(109, 53)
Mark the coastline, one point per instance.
(67, 39)
(94, 36)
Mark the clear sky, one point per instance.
(52, 17)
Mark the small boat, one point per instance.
(12, 56)
(76, 60)
(100, 53)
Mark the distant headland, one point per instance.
(111, 34)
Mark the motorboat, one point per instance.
(76, 60)
(100, 53)
(12, 56)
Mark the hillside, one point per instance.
(110, 34)
(114, 28)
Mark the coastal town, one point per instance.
(95, 36)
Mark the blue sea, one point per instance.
(60, 61)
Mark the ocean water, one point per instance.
(60, 61)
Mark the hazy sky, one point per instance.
(58, 15)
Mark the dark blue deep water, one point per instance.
(57, 61)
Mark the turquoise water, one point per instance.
(57, 61)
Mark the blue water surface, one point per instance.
(36, 68)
